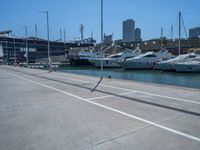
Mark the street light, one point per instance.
(101, 75)
(15, 62)
(26, 54)
(49, 59)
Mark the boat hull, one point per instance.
(137, 65)
(187, 68)
(166, 66)
(106, 63)
(80, 62)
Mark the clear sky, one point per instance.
(149, 15)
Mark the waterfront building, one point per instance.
(108, 38)
(37, 48)
(138, 35)
(194, 33)
(129, 30)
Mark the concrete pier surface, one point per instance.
(57, 111)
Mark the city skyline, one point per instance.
(70, 14)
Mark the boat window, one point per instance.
(150, 55)
(116, 56)
(192, 56)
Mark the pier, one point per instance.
(43, 111)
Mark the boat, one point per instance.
(112, 60)
(190, 65)
(83, 58)
(147, 60)
(168, 64)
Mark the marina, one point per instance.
(98, 75)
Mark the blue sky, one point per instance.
(149, 15)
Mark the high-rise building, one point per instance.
(138, 35)
(194, 33)
(129, 30)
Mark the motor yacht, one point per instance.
(168, 64)
(188, 66)
(146, 61)
(83, 58)
(111, 61)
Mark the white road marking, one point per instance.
(107, 96)
(113, 109)
(125, 89)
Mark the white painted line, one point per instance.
(125, 89)
(107, 96)
(113, 109)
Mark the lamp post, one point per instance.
(49, 59)
(15, 62)
(26, 46)
(101, 75)
(101, 39)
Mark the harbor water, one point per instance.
(191, 80)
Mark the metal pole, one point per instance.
(15, 62)
(64, 35)
(7, 51)
(101, 39)
(36, 30)
(179, 41)
(60, 35)
(171, 32)
(162, 37)
(49, 59)
(26, 46)
(101, 75)
(48, 43)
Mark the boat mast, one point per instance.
(179, 41)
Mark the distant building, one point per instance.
(129, 30)
(107, 38)
(138, 35)
(194, 33)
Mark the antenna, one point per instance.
(35, 30)
(60, 34)
(162, 36)
(64, 35)
(172, 32)
(92, 34)
(81, 31)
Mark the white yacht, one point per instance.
(188, 66)
(83, 58)
(146, 61)
(111, 61)
(168, 64)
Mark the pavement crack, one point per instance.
(123, 135)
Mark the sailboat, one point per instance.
(168, 65)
